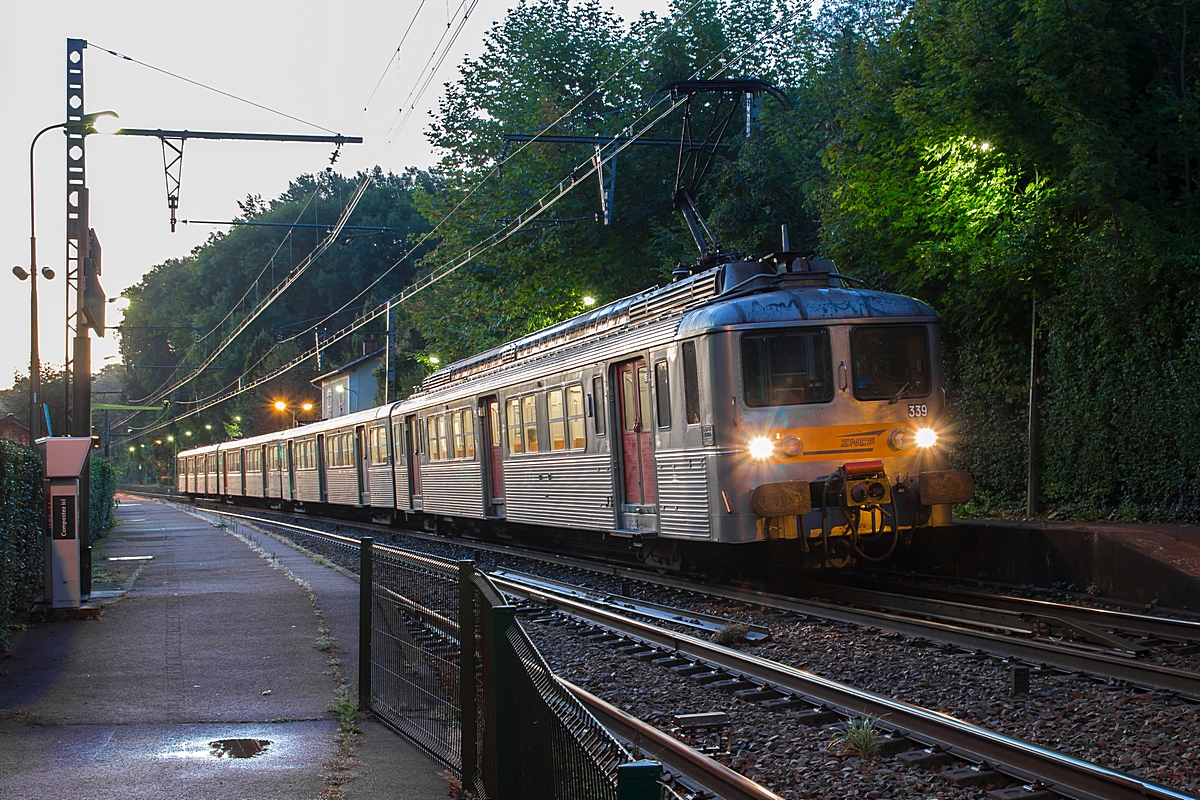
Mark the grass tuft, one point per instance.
(860, 737)
(731, 634)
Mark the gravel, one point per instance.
(1150, 735)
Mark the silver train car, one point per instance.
(757, 401)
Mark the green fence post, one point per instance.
(469, 714)
(639, 780)
(365, 585)
(504, 701)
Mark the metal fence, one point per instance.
(446, 664)
(443, 661)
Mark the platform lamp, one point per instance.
(98, 122)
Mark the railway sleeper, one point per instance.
(735, 685)
(973, 777)
(1027, 792)
(758, 695)
(926, 759)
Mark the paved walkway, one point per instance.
(210, 643)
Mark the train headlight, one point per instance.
(898, 440)
(792, 445)
(761, 448)
(926, 437)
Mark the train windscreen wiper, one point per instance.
(903, 391)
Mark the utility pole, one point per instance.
(1032, 485)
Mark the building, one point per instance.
(13, 429)
(353, 386)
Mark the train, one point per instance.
(770, 400)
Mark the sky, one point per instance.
(314, 61)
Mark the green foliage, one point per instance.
(184, 307)
(103, 487)
(21, 533)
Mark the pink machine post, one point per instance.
(64, 458)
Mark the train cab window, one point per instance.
(890, 361)
(576, 440)
(598, 405)
(691, 384)
(557, 417)
(529, 422)
(787, 368)
(662, 393)
(512, 411)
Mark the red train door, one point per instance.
(637, 445)
(493, 436)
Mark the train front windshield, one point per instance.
(787, 368)
(890, 361)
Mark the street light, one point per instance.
(342, 389)
(282, 406)
(88, 124)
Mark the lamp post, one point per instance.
(342, 388)
(281, 405)
(88, 125)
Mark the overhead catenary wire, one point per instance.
(578, 176)
(392, 60)
(211, 88)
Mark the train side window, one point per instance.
(643, 379)
(662, 391)
(598, 404)
(456, 423)
(378, 445)
(331, 448)
(576, 437)
(431, 427)
(516, 444)
(691, 384)
(529, 422)
(468, 425)
(558, 423)
(443, 438)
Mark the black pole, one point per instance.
(364, 624)
(1032, 483)
(466, 673)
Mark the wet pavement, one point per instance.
(211, 643)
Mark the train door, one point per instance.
(262, 470)
(289, 473)
(361, 452)
(493, 436)
(637, 443)
(413, 433)
(322, 486)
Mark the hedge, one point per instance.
(21, 548)
(21, 526)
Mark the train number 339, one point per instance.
(921, 410)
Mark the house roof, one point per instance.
(348, 367)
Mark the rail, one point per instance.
(1067, 775)
(444, 662)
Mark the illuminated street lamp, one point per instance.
(282, 406)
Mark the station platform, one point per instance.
(1138, 563)
(197, 639)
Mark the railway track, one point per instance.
(784, 686)
(934, 733)
(1011, 632)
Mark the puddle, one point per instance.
(238, 748)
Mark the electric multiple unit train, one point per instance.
(754, 401)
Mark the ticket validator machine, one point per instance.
(64, 458)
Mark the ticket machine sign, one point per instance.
(62, 516)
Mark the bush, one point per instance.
(21, 533)
(103, 487)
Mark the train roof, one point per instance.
(780, 289)
(792, 304)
